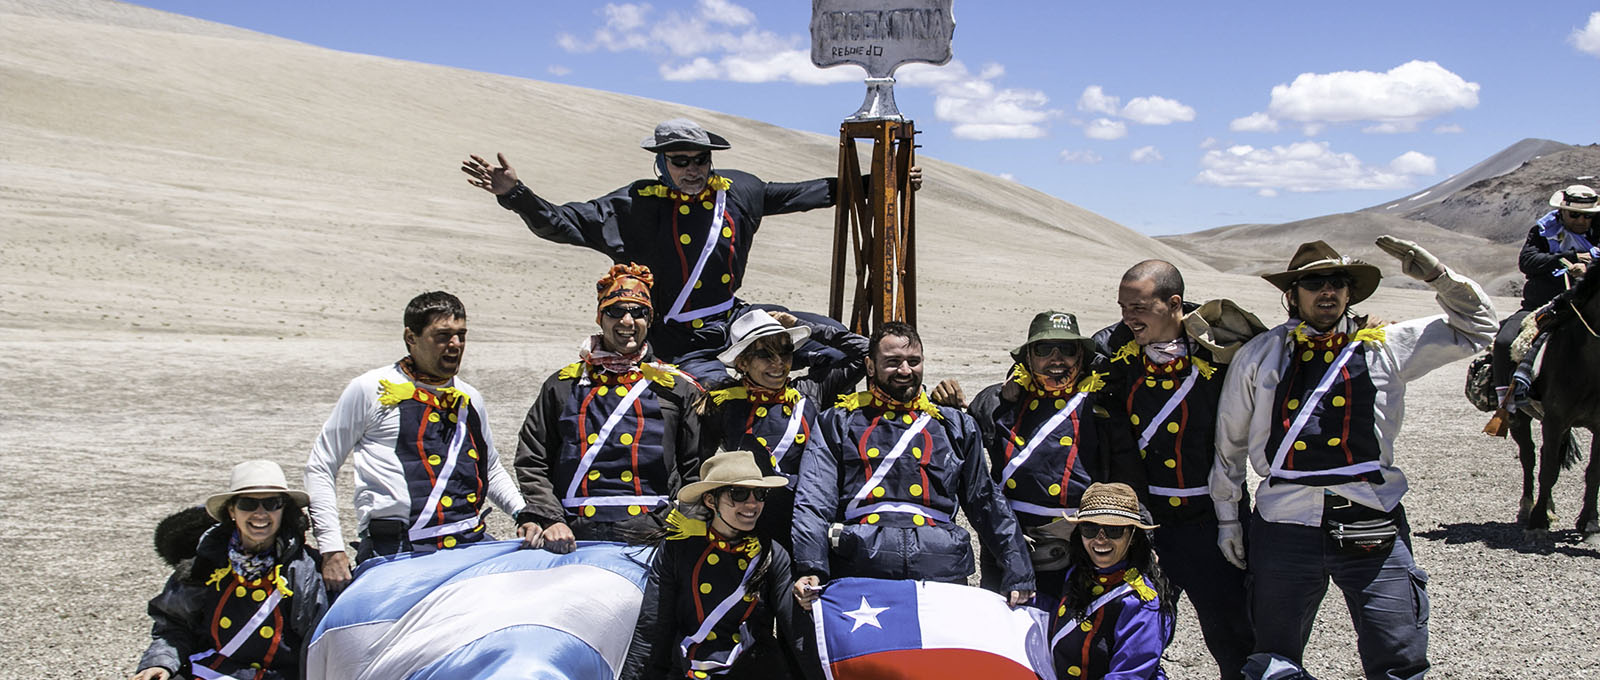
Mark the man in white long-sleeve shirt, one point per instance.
(424, 459)
(1315, 406)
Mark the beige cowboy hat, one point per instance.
(253, 476)
(1114, 504)
(755, 325)
(1318, 257)
(729, 468)
(1576, 198)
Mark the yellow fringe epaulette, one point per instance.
(281, 582)
(218, 575)
(453, 398)
(394, 393)
(751, 547)
(660, 374)
(657, 190)
(1133, 578)
(1204, 367)
(719, 183)
(570, 371)
(1094, 383)
(737, 393)
(854, 402)
(1371, 335)
(1126, 352)
(860, 400)
(681, 526)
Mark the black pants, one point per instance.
(1501, 356)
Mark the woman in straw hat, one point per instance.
(243, 598)
(1115, 616)
(716, 604)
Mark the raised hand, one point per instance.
(495, 180)
(1414, 261)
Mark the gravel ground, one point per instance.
(115, 435)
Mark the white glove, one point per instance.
(1417, 263)
(1230, 540)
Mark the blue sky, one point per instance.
(1167, 116)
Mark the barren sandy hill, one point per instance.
(206, 232)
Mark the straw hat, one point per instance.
(682, 134)
(1577, 198)
(729, 468)
(1113, 504)
(1318, 257)
(253, 476)
(753, 326)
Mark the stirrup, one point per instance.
(1499, 425)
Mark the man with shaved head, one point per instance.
(1166, 375)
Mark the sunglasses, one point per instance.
(1576, 215)
(248, 504)
(1312, 284)
(769, 355)
(1091, 530)
(740, 494)
(686, 161)
(618, 311)
(1045, 349)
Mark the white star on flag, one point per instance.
(866, 615)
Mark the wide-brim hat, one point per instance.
(755, 325)
(253, 476)
(1318, 257)
(1576, 198)
(729, 468)
(1052, 325)
(682, 134)
(1111, 504)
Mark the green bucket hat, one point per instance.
(1052, 326)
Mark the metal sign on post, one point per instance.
(875, 220)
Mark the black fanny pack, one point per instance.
(1357, 529)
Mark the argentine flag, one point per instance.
(919, 630)
(488, 610)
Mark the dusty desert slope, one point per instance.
(205, 232)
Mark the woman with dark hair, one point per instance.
(1116, 612)
(244, 596)
(716, 589)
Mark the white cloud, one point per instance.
(1267, 193)
(1085, 157)
(1414, 163)
(1396, 100)
(1306, 167)
(1105, 128)
(721, 40)
(1157, 111)
(1449, 129)
(1587, 39)
(1095, 100)
(1255, 122)
(1145, 154)
(558, 70)
(1208, 143)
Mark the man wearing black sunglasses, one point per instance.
(1314, 406)
(692, 225)
(611, 437)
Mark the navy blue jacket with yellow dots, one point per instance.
(892, 475)
(1046, 448)
(600, 449)
(206, 606)
(773, 425)
(719, 608)
(647, 223)
(1121, 633)
(1176, 449)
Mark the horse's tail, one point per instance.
(1571, 453)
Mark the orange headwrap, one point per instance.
(625, 283)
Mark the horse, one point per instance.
(1570, 397)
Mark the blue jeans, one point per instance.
(1290, 566)
(1193, 564)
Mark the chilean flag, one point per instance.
(917, 630)
(487, 610)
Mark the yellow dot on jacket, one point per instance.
(877, 492)
(697, 285)
(1166, 384)
(1174, 501)
(727, 277)
(240, 591)
(684, 239)
(446, 501)
(700, 675)
(1170, 463)
(1334, 441)
(713, 558)
(872, 518)
(1098, 590)
(225, 622)
(1306, 355)
(1085, 626)
(452, 417)
(709, 205)
(593, 437)
(627, 475)
(726, 232)
(1055, 489)
(916, 452)
(449, 541)
(473, 453)
(1293, 404)
(774, 462)
(918, 520)
(1061, 404)
(626, 438)
(1074, 671)
(872, 452)
(594, 474)
(472, 498)
(1062, 611)
(266, 631)
(1033, 405)
(761, 440)
(1066, 440)
(434, 459)
(761, 411)
(1172, 427)
(1327, 356)
(433, 417)
(258, 595)
(1011, 484)
(602, 390)
(705, 588)
(743, 564)
(1338, 401)
(711, 636)
(683, 209)
(634, 510)
(698, 323)
(1149, 382)
(916, 489)
(588, 511)
(1134, 418)
(889, 415)
(1299, 446)
(622, 390)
